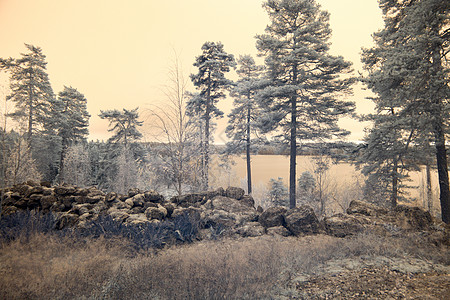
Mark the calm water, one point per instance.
(338, 176)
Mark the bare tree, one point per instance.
(174, 129)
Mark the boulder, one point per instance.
(412, 218)
(364, 208)
(193, 213)
(158, 213)
(234, 192)
(65, 220)
(133, 191)
(63, 190)
(302, 220)
(46, 184)
(189, 199)
(138, 200)
(220, 218)
(153, 196)
(342, 225)
(278, 231)
(137, 219)
(248, 200)
(235, 209)
(169, 207)
(251, 229)
(119, 215)
(129, 202)
(81, 209)
(196, 199)
(273, 216)
(110, 197)
(94, 198)
(230, 205)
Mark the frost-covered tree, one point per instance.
(30, 89)
(245, 112)
(124, 124)
(278, 193)
(175, 130)
(20, 165)
(211, 83)
(409, 71)
(306, 185)
(77, 165)
(302, 100)
(72, 122)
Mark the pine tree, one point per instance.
(210, 80)
(72, 122)
(301, 99)
(409, 70)
(124, 125)
(278, 192)
(30, 89)
(245, 111)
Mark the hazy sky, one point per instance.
(117, 53)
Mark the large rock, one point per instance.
(234, 192)
(364, 208)
(158, 213)
(302, 220)
(342, 225)
(153, 196)
(235, 209)
(251, 229)
(273, 216)
(48, 201)
(412, 218)
(137, 219)
(196, 199)
(63, 190)
(119, 215)
(65, 220)
(278, 231)
(248, 200)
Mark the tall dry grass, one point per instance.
(45, 266)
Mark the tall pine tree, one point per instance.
(30, 89)
(211, 83)
(245, 112)
(409, 70)
(302, 99)
(72, 122)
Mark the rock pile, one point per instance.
(226, 212)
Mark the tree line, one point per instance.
(297, 96)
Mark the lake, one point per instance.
(343, 178)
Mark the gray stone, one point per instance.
(234, 192)
(302, 220)
(273, 216)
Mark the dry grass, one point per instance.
(48, 267)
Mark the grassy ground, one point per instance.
(49, 266)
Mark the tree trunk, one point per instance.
(293, 153)
(30, 118)
(249, 169)
(394, 193)
(441, 154)
(61, 160)
(206, 145)
(429, 191)
(441, 158)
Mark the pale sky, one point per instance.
(117, 53)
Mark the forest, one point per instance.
(145, 214)
(296, 97)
